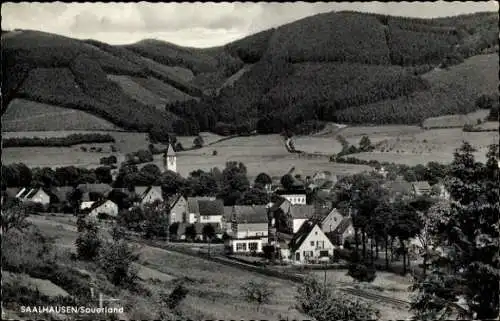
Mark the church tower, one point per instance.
(169, 159)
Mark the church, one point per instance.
(169, 159)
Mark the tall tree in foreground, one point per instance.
(468, 268)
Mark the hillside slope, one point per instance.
(346, 67)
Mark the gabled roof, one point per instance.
(11, 192)
(33, 192)
(174, 199)
(140, 190)
(301, 235)
(343, 225)
(331, 213)
(250, 214)
(99, 203)
(211, 208)
(24, 192)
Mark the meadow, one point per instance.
(262, 153)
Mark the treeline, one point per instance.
(20, 175)
(70, 140)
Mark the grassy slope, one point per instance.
(26, 115)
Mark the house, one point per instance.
(331, 221)
(178, 208)
(86, 205)
(421, 188)
(181, 231)
(94, 192)
(104, 207)
(35, 195)
(343, 230)
(249, 221)
(210, 211)
(309, 244)
(252, 244)
(148, 194)
(299, 198)
(287, 217)
(193, 210)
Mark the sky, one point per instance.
(198, 24)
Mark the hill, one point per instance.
(342, 67)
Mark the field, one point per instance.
(138, 92)
(27, 115)
(263, 153)
(456, 120)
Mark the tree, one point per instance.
(190, 232)
(115, 260)
(365, 145)
(171, 182)
(255, 292)
(234, 182)
(324, 304)
(361, 272)
(178, 294)
(198, 142)
(88, 242)
(406, 226)
(156, 220)
(254, 196)
(468, 263)
(287, 181)
(262, 180)
(208, 233)
(201, 183)
(103, 174)
(14, 216)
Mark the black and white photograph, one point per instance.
(272, 161)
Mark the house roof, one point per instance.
(33, 192)
(332, 212)
(96, 188)
(192, 203)
(302, 211)
(211, 208)
(343, 225)
(250, 213)
(174, 199)
(99, 203)
(301, 235)
(148, 189)
(228, 211)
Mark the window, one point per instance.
(320, 244)
(335, 219)
(312, 243)
(308, 254)
(252, 246)
(241, 247)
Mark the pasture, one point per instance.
(263, 153)
(448, 121)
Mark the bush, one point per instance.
(115, 259)
(361, 272)
(88, 242)
(214, 153)
(70, 140)
(259, 293)
(178, 294)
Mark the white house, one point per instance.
(86, 205)
(106, 207)
(295, 198)
(178, 209)
(249, 229)
(148, 194)
(331, 221)
(310, 244)
(210, 211)
(35, 195)
(193, 210)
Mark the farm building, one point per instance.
(249, 221)
(331, 221)
(105, 207)
(288, 218)
(309, 244)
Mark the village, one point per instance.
(297, 223)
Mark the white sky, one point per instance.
(198, 24)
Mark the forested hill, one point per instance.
(344, 67)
